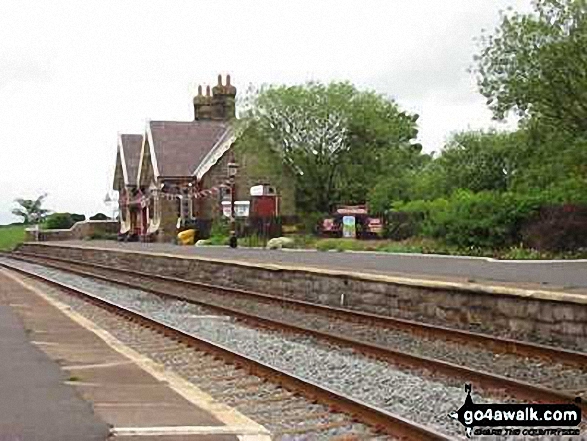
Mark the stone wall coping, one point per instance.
(544, 295)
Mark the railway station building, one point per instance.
(176, 172)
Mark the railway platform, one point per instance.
(537, 300)
(568, 276)
(67, 379)
(36, 404)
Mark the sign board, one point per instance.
(241, 208)
(348, 227)
(375, 225)
(351, 209)
(257, 190)
(328, 225)
(226, 208)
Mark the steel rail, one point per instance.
(498, 344)
(485, 380)
(381, 420)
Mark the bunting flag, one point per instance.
(212, 191)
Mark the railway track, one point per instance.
(326, 409)
(549, 388)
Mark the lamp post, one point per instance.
(110, 203)
(232, 170)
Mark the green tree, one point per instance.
(551, 162)
(479, 161)
(31, 210)
(335, 140)
(535, 65)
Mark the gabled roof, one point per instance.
(178, 148)
(129, 149)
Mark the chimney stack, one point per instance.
(202, 105)
(220, 106)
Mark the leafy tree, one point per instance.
(335, 140)
(31, 210)
(479, 161)
(536, 65)
(551, 162)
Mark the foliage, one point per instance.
(334, 140)
(219, 232)
(342, 145)
(485, 219)
(220, 227)
(345, 245)
(31, 210)
(78, 217)
(478, 161)
(475, 220)
(58, 221)
(389, 190)
(534, 64)
(99, 217)
(551, 162)
(423, 245)
(557, 228)
(310, 222)
(304, 240)
(11, 236)
(100, 235)
(217, 240)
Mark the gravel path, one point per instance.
(408, 393)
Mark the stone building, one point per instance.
(176, 172)
(125, 181)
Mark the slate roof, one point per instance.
(131, 145)
(181, 146)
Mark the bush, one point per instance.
(310, 223)
(473, 220)
(220, 227)
(78, 217)
(58, 221)
(557, 228)
(484, 219)
(62, 221)
(415, 218)
(99, 217)
(217, 240)
(100, 235)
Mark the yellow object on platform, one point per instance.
(186, 237)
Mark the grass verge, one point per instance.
(11, 236)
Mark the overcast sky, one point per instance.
(74, 74)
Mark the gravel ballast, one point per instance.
(408, 393)
(546, 373)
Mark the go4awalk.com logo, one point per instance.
(519, 419)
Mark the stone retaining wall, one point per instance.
(79, 231)
(539, 316)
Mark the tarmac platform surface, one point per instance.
(62, 378)
(568, 276)
(35, 403)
